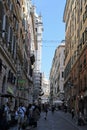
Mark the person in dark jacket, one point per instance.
(28, 113)
(53, 108)
(35, 115)
(72, 112)
(3, 122)
(45, 110)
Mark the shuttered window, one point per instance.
(10, 39)
(9, 2)
(1, 17)
(3, 26)
(15, 47)
(6, 30)
(0, 65)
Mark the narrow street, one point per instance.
(57, 121)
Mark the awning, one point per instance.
(22, 98)
(8, 94)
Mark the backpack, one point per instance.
(19, 111)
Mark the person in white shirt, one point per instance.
(21, 112)
(7, 112)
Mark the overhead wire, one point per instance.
(55, 42)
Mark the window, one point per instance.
(80, 67)
(18, 2)
(1, 17)
(10, 37)
(8, 2)
(80, 85)
(84, 62)
(74, 55)
(85, 14)
(62, 74)
(36, 29)
(0, 65)
(81, 6)
(81, 25)
(23, 9)
(11, 7)
(80, 46)
(3, 26)
(83, 40)
(85, 1)
(85, 34)
(85, 82)
(6, 30)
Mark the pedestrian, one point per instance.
(35, 116)
(81, 120)
(8, 113)
(21, 113)
(16, 115)
(72, 112)
(3, 121)
(52, 109)
(45, 110)
(28, 113)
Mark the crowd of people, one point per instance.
(21, 116)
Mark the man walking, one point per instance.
(45, 110)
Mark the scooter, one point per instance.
(81, 121)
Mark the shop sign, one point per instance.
(21, 81)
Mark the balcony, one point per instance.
(41, 94)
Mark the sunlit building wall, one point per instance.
(16, 61)
(46, 89)
(38, 55)
(76, 54)
(57, 74)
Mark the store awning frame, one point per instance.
(6, 95)
(22, 98)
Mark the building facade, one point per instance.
(46, 90)
(37, 74)
(18, 43)
(57, 74)
(75, 83)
